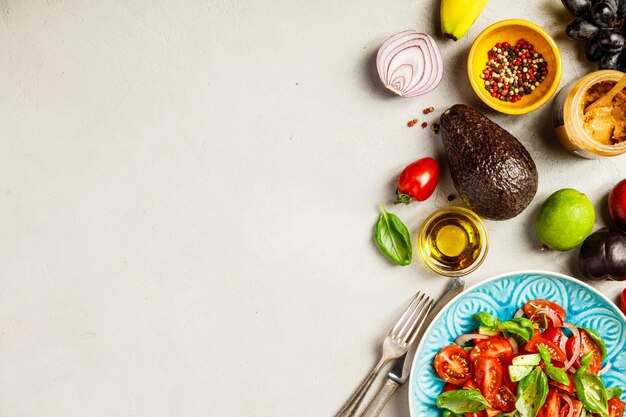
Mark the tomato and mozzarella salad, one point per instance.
(534, 365)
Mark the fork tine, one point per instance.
(407, 313)
(412, 320)
(420, 321)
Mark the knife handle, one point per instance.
(380, 400)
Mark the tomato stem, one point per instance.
(403, 198)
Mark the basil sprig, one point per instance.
(393, 238)
(596, 338)
(532, 392)
(521, 326)
(486, 319)
(554, 372)
(613, 393)
(513, 413)
(448, 413)
(462, 401)
(590, 388)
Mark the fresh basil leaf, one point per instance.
(463, 401)
(613, 393)
(513, 413)
(557, 374)
(532, 392)
(545, 355)
(521, 327)
(590, 389)
(448, 413)
(596, 338)
(585, 361)
(485, 318)
(393, 238)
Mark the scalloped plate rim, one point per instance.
(482, 283)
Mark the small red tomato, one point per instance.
(556, 353)
(617, 204)
(493, 347)
(452, 365)
(418, 180)
(623, 300)
(488, 373)
(616, 407)
(552, 406)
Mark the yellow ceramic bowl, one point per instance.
(512, 31)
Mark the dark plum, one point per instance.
(603, 14)
(577, 7)
(610, 40)
(581, 29)
(593, 52)
(603, 255)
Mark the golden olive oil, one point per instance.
(453, 241)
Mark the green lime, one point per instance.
(565, 219)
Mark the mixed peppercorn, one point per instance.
(513, 71)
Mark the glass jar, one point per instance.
(453, 241)
(568, 117)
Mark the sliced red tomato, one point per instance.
(488, 374)
(504, 399)
(587, 344)
(493, 347)
(452, 364)
(477, 414)
(506, 379)
(616, 407)
(552, 406)
(565, 388)
(623, 301)
(492, 412)
(531, 307)
(556, 353)
(470, 383)
(578, 408)
(556, 336)
(450, 387)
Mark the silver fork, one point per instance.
(395, 345)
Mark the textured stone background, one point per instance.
(187, 196)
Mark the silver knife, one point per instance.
(402, 367)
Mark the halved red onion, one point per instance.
(409, 63)
(570, 404)
(513, 343)
(576, 352)
(464, 338)
(555, 318)
(519, 313)
(606, 369)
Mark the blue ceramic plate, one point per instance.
(502, 296)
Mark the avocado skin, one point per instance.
(492, 171)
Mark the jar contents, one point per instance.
(605, 125)
(513, 70)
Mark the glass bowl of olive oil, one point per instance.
(453, 241)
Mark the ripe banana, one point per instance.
(457, 16)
